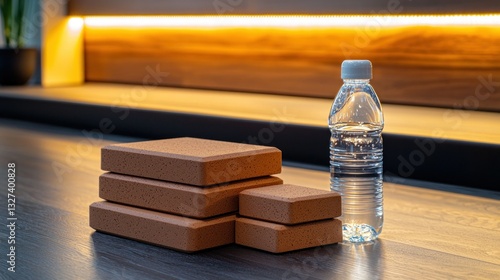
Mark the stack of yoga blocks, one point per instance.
(184, 194)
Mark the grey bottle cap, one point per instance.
(356, 69)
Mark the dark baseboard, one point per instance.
(460, 163)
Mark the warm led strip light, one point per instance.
(291, 21)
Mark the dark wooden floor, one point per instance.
(428, 234)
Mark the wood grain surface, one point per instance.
(428, 233)
(446, 66)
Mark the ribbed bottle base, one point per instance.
(358, 233)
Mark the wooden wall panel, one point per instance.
(432, 66)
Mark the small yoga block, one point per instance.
(175, 198)
(289, 204)
(191, 161)
(277, 238)
(171, 231)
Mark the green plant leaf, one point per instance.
(6, 7)
(12, 19)
(18, 18)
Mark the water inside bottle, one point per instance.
(356, 173)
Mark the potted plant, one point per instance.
(17, 64)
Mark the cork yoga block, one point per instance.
(289, 204)
(175, 198)
(175, 232)
(277, 238)
(191, 161)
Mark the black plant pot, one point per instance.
(16, 66)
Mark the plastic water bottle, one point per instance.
(356, 122)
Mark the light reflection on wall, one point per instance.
(291, 21)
